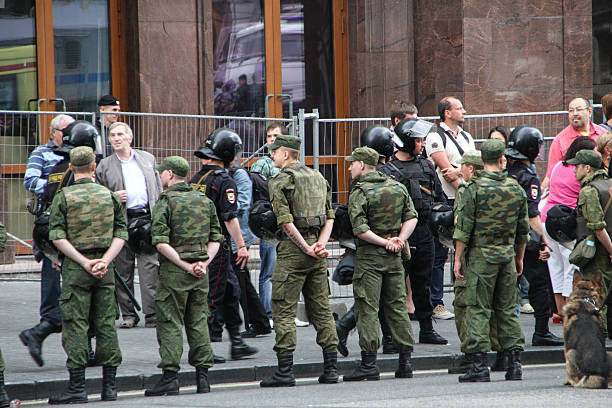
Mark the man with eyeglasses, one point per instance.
(579, 115)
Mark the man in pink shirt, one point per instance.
(579, 114)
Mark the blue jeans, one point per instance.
(50, 289)
(437, 275)
(267, 253)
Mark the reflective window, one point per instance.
(602, 49)
(82, 53)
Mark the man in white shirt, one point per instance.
(445, 148)
(131, 174)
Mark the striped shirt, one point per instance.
(40, 163)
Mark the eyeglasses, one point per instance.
(576, 110)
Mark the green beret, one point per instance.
(492, 149)
(364, 154)
(288, 141)
(472, 157)
(177, 164)
(82, 156)
(586, 156)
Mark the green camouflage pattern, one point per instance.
(88, 215)
(265, 166)
(182, 299)
(298, 192)
(492, 215)
(177, 211)
(384, 204)
(2, 237)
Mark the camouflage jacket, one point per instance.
(293, 201)
(589, 205)
(380, 204)
(492, 216)
(461, 190)
(265, 166)
(88, 215)
(186, 219)
(2, 237)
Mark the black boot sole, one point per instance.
(368, 378)
(242, 354)
(275, 385)
(74, 401)
(487, 379)
(160, 394)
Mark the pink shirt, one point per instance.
(562, 142)
(564, 188)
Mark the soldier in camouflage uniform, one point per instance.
(492, 224)
(383, 217)
(4, 398)
(88, 226)
(186, 231)
(590, 217)
(301, 199)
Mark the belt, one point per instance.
(137, 212)
(492, 240)
(284, 237)
(190, 248)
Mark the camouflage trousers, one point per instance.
(379, 280)
(491, 291)
(297, 272)
(81, 292)
(600, 265)
(1, 363)
(182, 298)
(460, 306)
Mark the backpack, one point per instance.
(261, 191)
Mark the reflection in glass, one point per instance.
(82, 53)
(602, 50)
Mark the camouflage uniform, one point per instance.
(187, 220)
(460, 302)
(490, 225)
(2, 248)
(89, 216)
(380, 204)
(296, 192)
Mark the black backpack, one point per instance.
(261, 192)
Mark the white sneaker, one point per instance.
(271, 323)
(527, 308)
(299, 323)
(442, 313)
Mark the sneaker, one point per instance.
(442, 313)
(271, 323)
(526, 308)
(299, 323)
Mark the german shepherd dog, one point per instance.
(587, 363)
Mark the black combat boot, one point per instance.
(367, 369)
(387, 340)
(501, 361)
(5, 401)
(239, 348)
(218, 359)
(167, 385)
(34, 337)
(75, 394)
(460, 364)
(427, 335)
(479, 372)
(515, 371)
(283, 377)
(109, 390)
(330, 368)
(202, 380)
(542, 335)
(404, 367)
(343, 328)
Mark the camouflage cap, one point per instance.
(288, 141)
(82, 156)
(492, 149)
(590, 157)
(472, 157)
(177, 164)
(364, 154)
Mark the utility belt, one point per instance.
(306, 234)
(181, 249)
(138, 212)
(314, 221)
(492, 240)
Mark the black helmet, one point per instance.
(443, 223)
(407, 129)
(379, 138)
(40, 236)
(78, 133)
(222, 144)
(561, 223)
(139, 236)
(524, 143)
(342, 230)
(262, 221)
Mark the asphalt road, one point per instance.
(542, 386)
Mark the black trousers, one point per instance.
(224, 292)
(540, 287)
(419, 269)
(252, 308)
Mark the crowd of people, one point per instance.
(189, 239)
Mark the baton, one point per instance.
(129, 292)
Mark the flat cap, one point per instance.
(82, 156)
(364, 154)
(177, 164)
(108, 100)
(288, 141)
(492, 149)
(472, 157)
(590, 157)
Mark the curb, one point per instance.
(32, 390)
